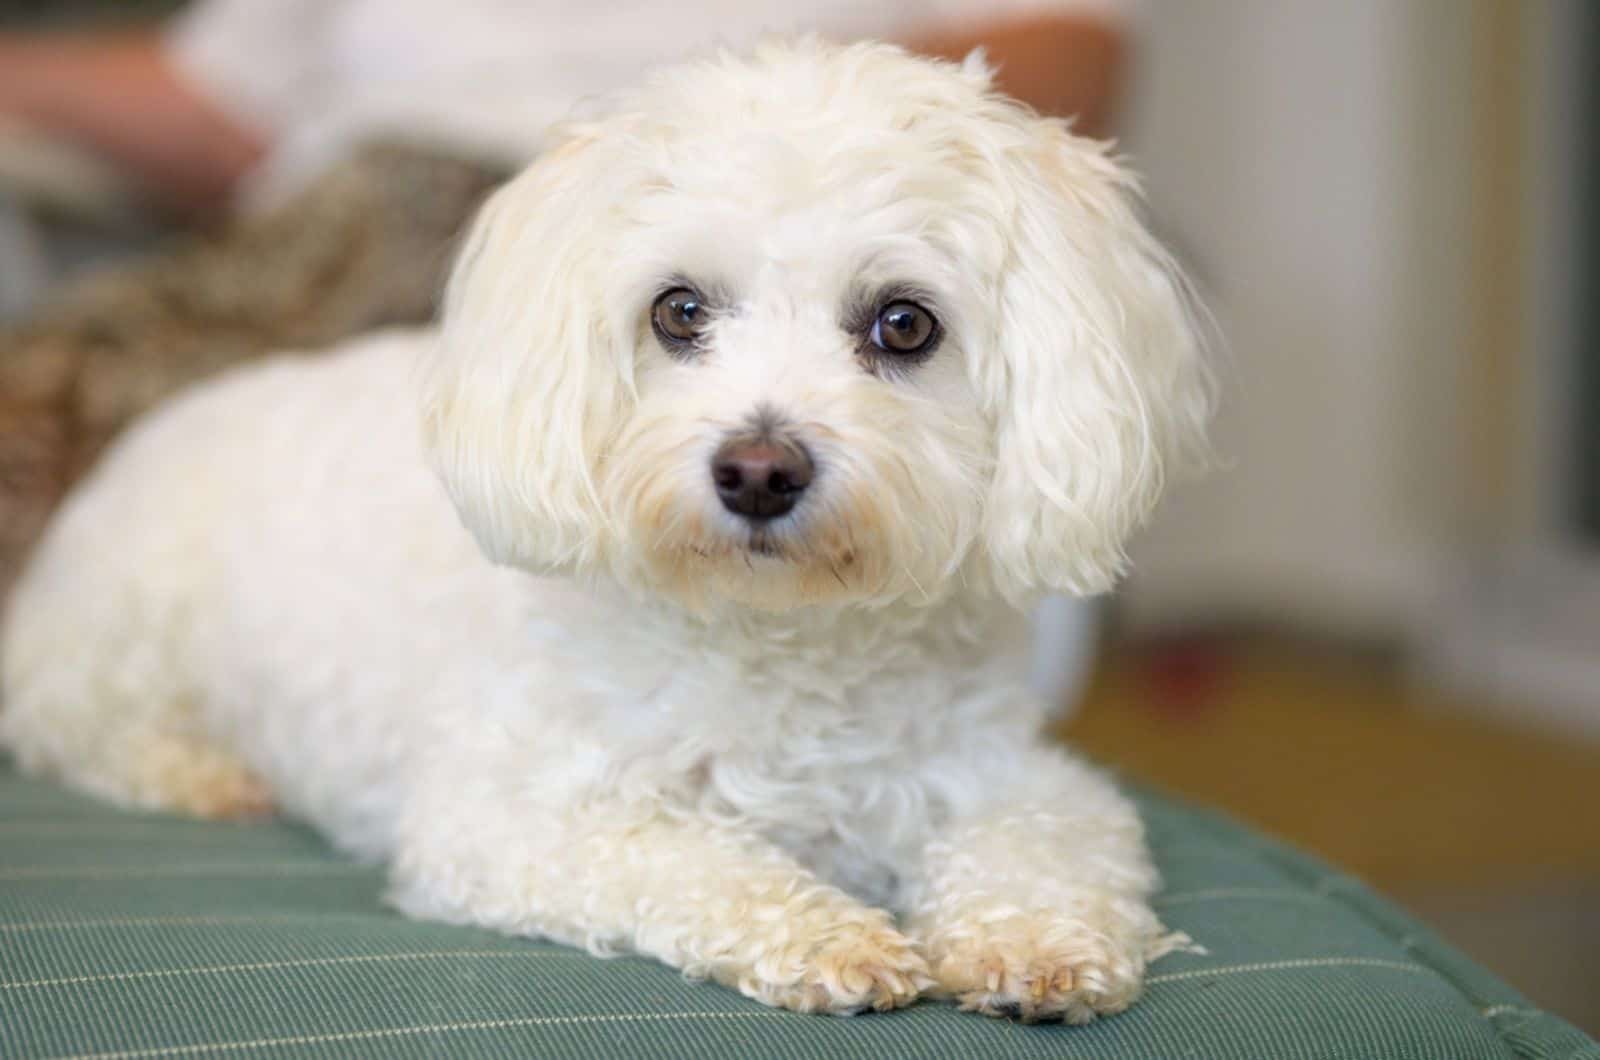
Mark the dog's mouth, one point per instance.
(762, 543)
(763, 567)
(757, 543)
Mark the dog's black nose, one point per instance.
(761, 478)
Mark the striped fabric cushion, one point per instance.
(128, 936)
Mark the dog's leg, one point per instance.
(147, 768)
(107, 711)
(1034, 903)
(713, 901)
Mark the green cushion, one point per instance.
(142, 935)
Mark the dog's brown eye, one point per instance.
(904, 328)
(679, 317)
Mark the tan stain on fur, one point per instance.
(187, 776)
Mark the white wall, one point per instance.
(1309, 158)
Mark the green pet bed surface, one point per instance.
(125, 935)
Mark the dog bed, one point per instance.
(141, 935)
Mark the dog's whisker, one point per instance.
(913, 579)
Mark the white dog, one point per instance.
(761, 406)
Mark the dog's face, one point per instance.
(823, 324)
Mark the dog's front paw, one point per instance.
(847, 969)
(1043, 965)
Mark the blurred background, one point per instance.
(1378, 631)
(1374, 632)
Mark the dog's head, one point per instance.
(824, 323)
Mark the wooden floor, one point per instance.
(1489, 831)
(1336, 753)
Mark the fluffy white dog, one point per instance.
(761, 406)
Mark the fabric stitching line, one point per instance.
(221, 920)
(1304, 962)
(434, 1028)
(106, 872)
(309, 962)
(1223, 893)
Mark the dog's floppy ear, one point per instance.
(527, 383)
(1103, 387)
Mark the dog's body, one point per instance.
(736, 738)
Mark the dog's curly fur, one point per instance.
(570, 695)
